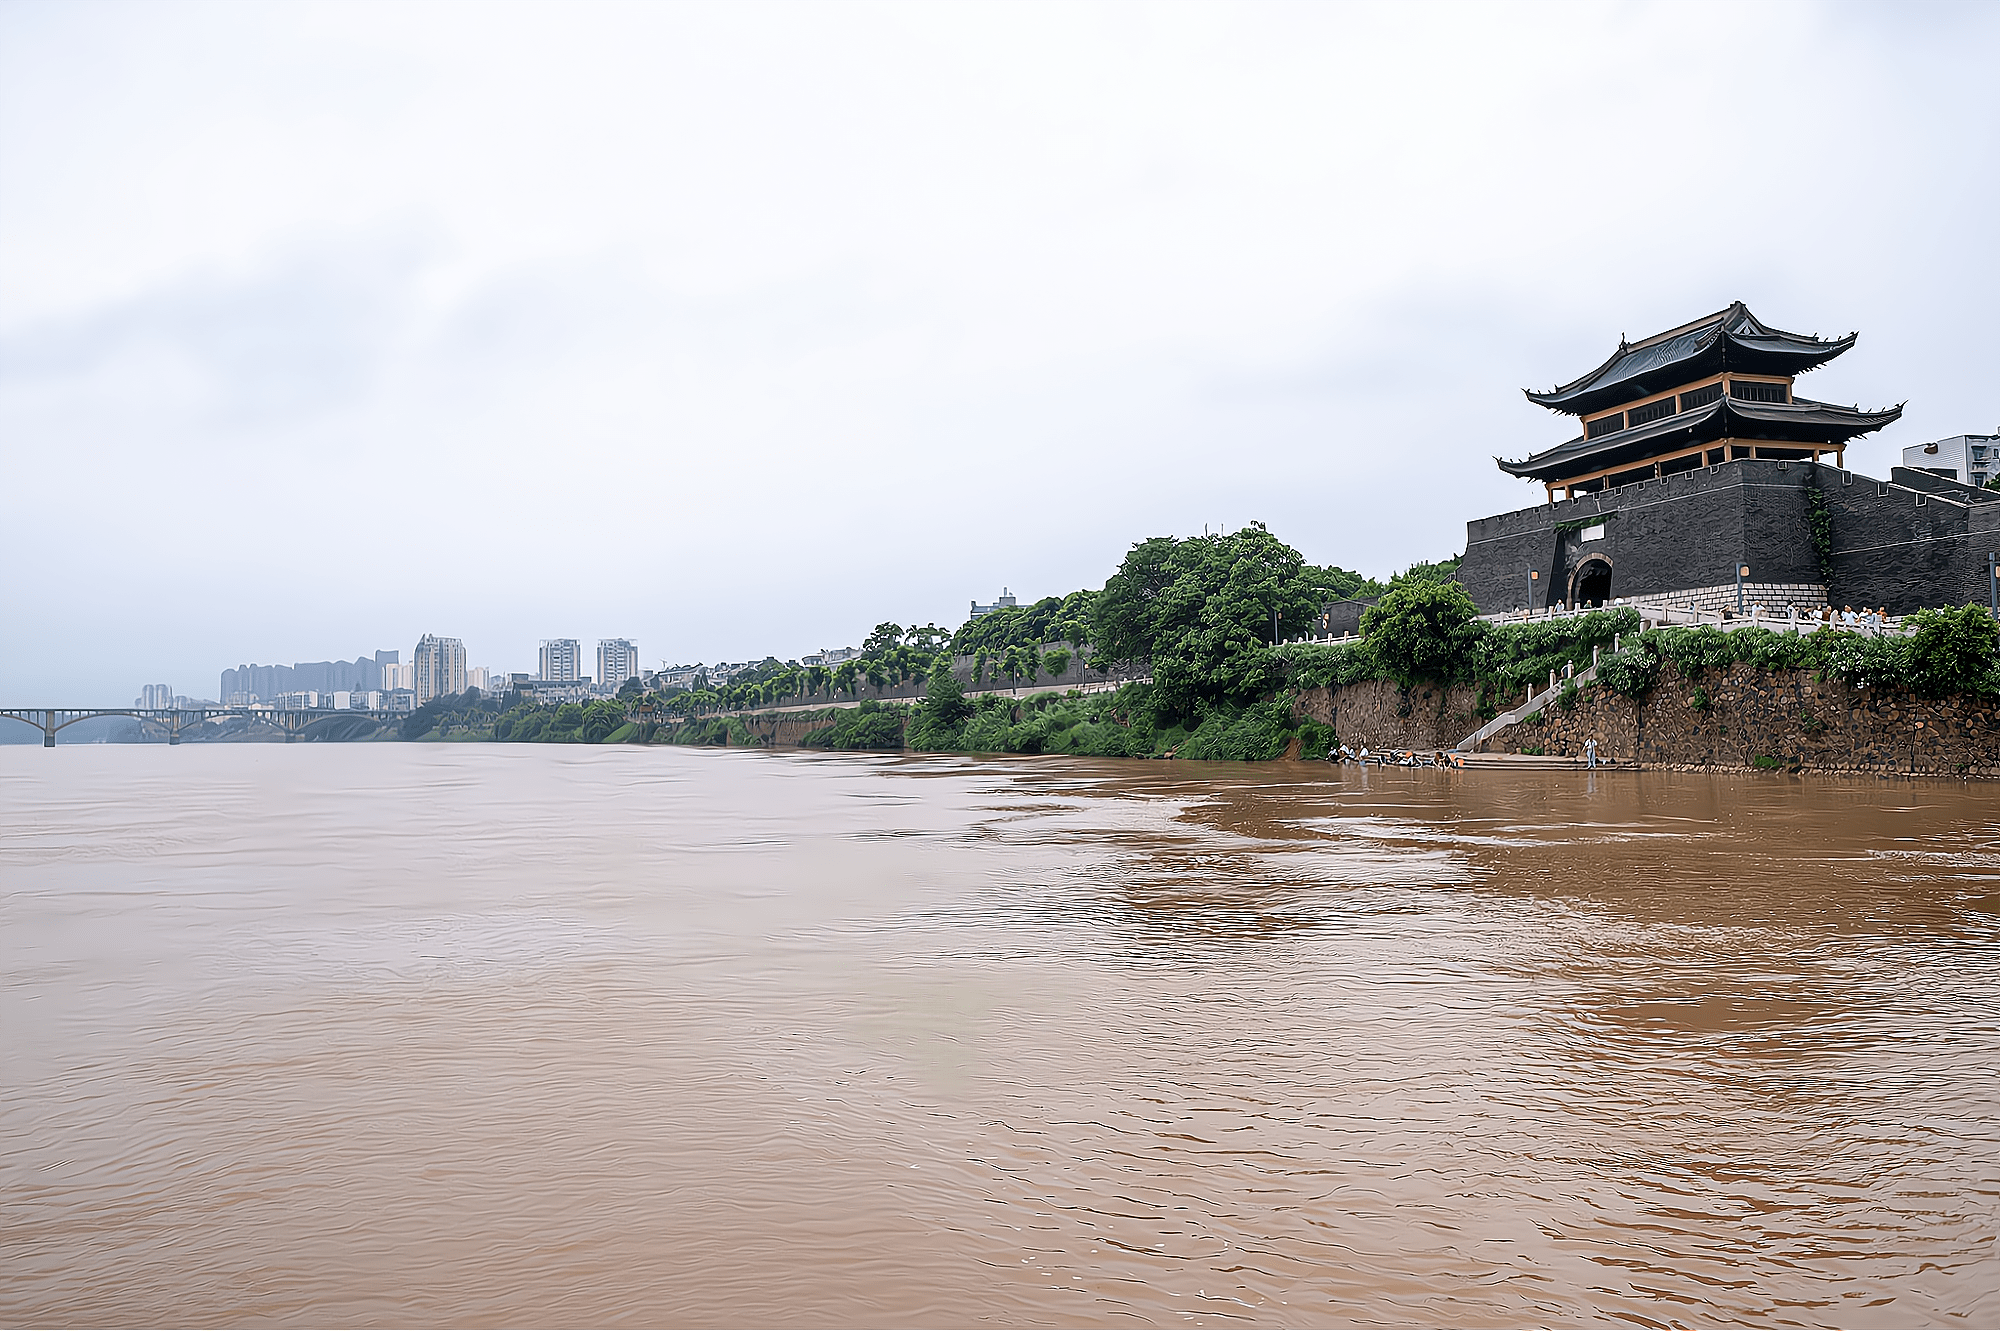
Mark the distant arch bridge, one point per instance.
(294, 723)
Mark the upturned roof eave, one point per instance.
(1595, 390)
(1565, 459)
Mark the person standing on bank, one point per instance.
(1590, 752)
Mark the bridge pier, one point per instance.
(48, 739)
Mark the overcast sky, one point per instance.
(737, 328)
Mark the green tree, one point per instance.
(940, 720)
(1203, 611)
(1056, 663)
(1954, 651)
(1422, 629)
(1443, 570)
(1340, 584)
(600, 718)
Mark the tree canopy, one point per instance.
(1423, 629)
(1051, 619)
(1205, 610)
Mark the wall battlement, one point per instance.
(1905, 543)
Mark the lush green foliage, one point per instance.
(1819, 526)
(1503, 658)
(468, 715)
(1951, 651)
(1205, 611)
(1424, 629)
(1051, 619)
(1954, 651)
(1442, 570)
(528, 722)
(1510, 657)
(869, 726)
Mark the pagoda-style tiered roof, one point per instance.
(1799, 422)
(1708, 392)
(1731, 339)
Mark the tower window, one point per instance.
(1604, 425)
(1700, 397)
(1653, 411)
(1744, 391)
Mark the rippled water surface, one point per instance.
(428, 1034)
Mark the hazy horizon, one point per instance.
(736, 330)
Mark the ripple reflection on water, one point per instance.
(423, 1034)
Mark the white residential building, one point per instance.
(617, 661)
(678, 677)
(1006, 601)
(828, 657)
(1973, 459)
(440, 667)
(395, 676)
(561, 660)
(155, 697)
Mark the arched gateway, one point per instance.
(1591, 583)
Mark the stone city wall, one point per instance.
(1906, 543)
(1381, 715)
(1787, 718)
(1775, 597)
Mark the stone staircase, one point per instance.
(1527, 709)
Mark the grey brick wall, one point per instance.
(1893, 545)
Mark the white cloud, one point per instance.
(737, 328)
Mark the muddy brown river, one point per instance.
(428, 1034)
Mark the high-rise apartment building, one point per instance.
(440, 667)
(562, 658)
(156, 697)
(617, 661)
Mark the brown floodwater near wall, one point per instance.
(429, 1034)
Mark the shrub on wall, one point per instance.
(1951, 651)
(1954, 651)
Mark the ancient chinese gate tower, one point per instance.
(1701, 479)
(1711, 391)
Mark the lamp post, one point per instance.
(1742, 572)
(1993, 581)
(1534, 577)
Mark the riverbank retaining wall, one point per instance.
(1382, 715)
(1789, 719)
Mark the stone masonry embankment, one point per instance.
(1788, 718)
(1381, 715)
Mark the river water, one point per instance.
(499, 1034)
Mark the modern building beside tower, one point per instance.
(439, 666)
(1701, 479)
(617, 661)
(1972, 458)
(561, 660)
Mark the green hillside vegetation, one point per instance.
(1210, 616)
